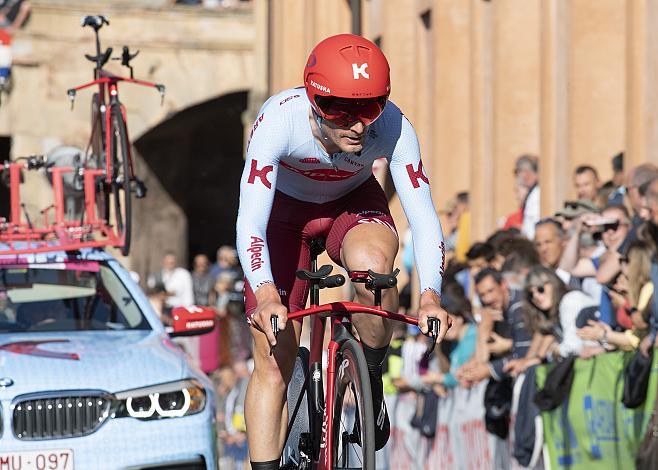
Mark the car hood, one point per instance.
(110, 361)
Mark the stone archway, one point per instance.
(192, 164)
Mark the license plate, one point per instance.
(56, 459)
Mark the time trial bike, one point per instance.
(336, 429)
(109, 146)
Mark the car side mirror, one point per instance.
(190, 321)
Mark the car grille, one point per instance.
(59, 417)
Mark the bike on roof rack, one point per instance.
(22, 235)
(109, 149)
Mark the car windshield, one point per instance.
(66, 297)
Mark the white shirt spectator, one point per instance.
(531, 213)
(179, 283)
(571, 305)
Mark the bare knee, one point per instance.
(370, 257)
(369, 246)
(274, 371)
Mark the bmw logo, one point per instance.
(6, 382)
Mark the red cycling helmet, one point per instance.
(347, 78)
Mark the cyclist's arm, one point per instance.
(257, 188)
(413, 187)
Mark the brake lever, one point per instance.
(71, 94)
(433, 326)
(274, 323)
(161, 90)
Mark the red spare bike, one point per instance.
(109, 146)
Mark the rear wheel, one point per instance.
(120, 186)
(354, 423)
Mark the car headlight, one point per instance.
(169, 400)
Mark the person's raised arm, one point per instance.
(413, 188)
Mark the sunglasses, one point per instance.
(345, 111)
(613, 226)
(540, 289)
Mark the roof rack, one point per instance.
(56, 232)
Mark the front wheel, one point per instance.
(354, 423)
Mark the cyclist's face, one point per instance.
(348, 139)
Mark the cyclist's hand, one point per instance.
(430, 306)
(268, 303)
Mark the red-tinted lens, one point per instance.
(344, 111)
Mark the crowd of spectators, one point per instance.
(539, 290)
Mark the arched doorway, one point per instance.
(193, 164)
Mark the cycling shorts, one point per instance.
(294, 224)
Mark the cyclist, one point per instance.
(308, 174)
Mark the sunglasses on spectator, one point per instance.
(614, 226)
(540, 289)
(346, 111)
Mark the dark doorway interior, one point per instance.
(197, 157)
(5, 148)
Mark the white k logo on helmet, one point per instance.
(356, 70)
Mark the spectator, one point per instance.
(515, 219)
(235, 437)
(551, 310)
(480, 255)
(550, 244)
(526, 171)
(611, 227)
(518, 263)
(586, 182)
(175, 282)
(639, 176)
(501, 332)
(174, 286)
(618, 170)
(463, 334)
(225, 380)
(638, 183)
(202, 281)
(574, 209)
(636, 295)
(227, 261)
(234, 330)
(502, 243)
(204, 295)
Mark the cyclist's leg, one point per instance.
(371, 246)
(266, 409)
(364, 237)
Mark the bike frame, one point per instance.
(340, 313)
(108, 92)
(321, 420)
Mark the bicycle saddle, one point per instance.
(95, 21)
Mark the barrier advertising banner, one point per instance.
(593, 429)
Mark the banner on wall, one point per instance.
(593, 429)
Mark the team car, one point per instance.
(89, 376)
